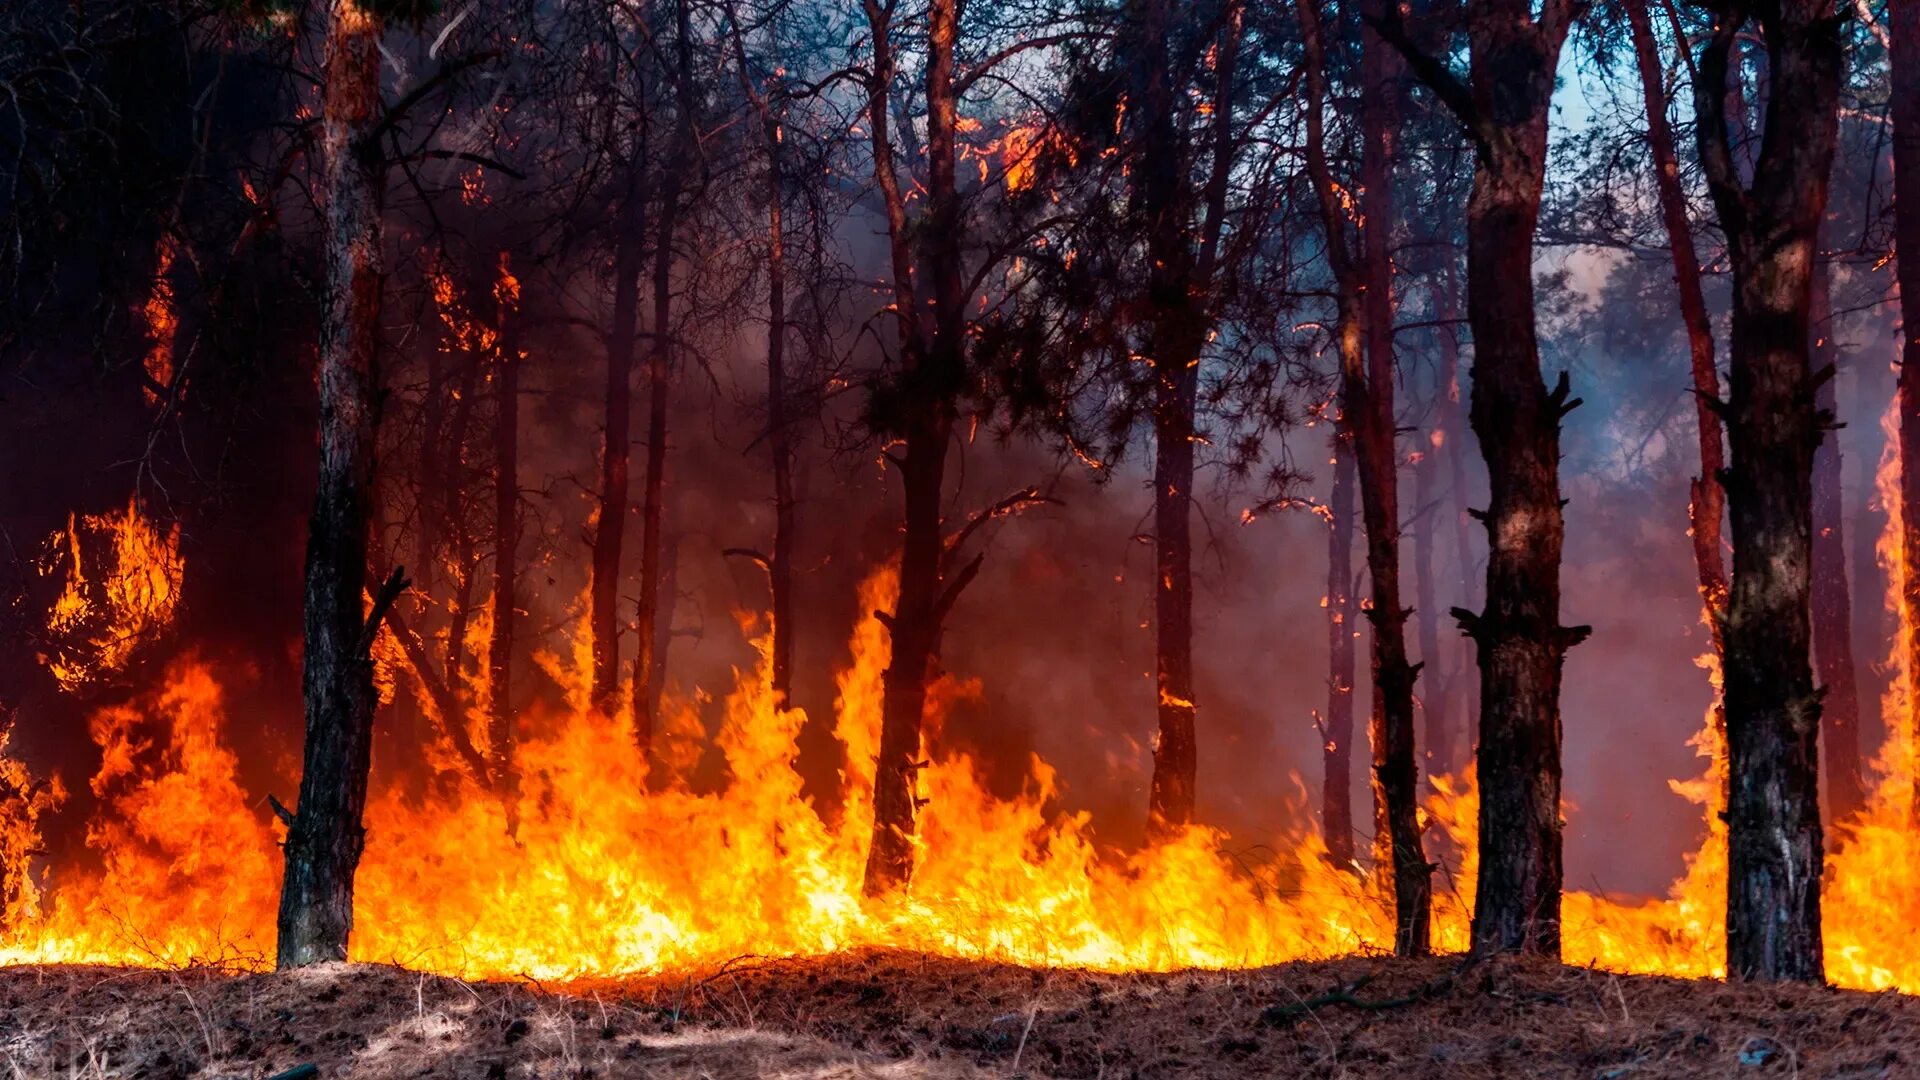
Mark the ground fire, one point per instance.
(787, 537)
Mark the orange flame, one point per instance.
(98, 621)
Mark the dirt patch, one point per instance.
(884, 1014)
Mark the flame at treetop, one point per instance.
(605, 875)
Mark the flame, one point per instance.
(162, 322)
(607, 870)
(1018, 150)
(98, 621)
(22, 802)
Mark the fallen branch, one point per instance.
(1281, 1015)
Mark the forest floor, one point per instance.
(887, 1014)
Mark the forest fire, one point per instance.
(537, 493)
(630, 878)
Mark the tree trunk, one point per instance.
(1395, 760)
(932, 368)
(779, 439)
(1170, 802)
(1337, 736)
(325, 837)
(1903, 28)
(506, 541)
(1704, 507)
(1773, 712)
(1521, 644)
(610, 529)
(1173, 350)
(1832, 606)
(646, 695)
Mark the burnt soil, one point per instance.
(887, 1014)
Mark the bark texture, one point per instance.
(325, 835)
(1504, 104)
(1773, 427)
(1364, 337)
(920, 414)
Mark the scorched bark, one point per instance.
(1773, 426)
(325, 834)
(1504, 105)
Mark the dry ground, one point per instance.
(880, 1014)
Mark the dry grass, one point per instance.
(881, 1014)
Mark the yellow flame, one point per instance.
(105, 613)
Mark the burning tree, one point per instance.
(1903, 34)
(1504, 106)
(1772, 223)
(1364, 337)
(324, 832)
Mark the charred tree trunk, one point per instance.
(1170, 801)
(1773, 426)
(929, 384)
(1337, 735)
(610, 530)
(1160, 190)
(1365, 340)
(646, 694)
(1522, 646)
(1179, 284)
(1832, 606)
(912, 628)
(325, 835)
(1395, 759)
(1708, 500)
(506, 541)
(1903, 27)
(779, 438)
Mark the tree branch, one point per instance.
(965, 81)
(1014, 503)
(390, 591)
(1710, 111)
(1438, 77)
(444, 702)
(751, 555)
